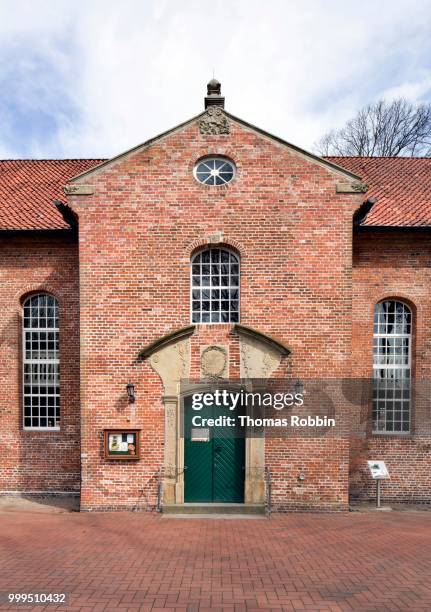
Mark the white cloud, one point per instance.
(413, 90)
(117, 73)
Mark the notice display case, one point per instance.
(122, 444)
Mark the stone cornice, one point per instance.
(250, 332)
(174, 336)
(354, 187)
(78, 189)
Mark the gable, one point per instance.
(402, 186)
(310, 157)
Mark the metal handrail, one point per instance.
(159, 490)
(268, 492)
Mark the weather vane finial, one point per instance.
(214, 97)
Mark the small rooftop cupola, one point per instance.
(214, 97)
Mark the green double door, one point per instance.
(214, 458)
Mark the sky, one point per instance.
(93, 78)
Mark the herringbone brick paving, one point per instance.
(124, 561)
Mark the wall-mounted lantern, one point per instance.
(299, 386)
(131, 392)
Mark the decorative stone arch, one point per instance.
(260, 356)
(170, 357)
(263, 345)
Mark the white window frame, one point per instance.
(32, 361)
(211, 158)
(210, 287)
(393, 366)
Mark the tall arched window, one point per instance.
(392, 367)
(41, 363)
(215, 286)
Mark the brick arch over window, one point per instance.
(392, 364)
(29, 290)
(216, 239)
(216, 151)
(397, 297)
(215, 285)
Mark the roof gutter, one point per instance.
(391, 228)
(67, 231)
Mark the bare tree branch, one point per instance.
(386, 129)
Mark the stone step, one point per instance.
(216, 508)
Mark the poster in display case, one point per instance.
(122, 444)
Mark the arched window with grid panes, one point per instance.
(41, 362)
(215, 286)
(392, 367)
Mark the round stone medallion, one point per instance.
(213, 361)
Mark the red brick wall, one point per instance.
(137, 233)
(394, 264)
(324, 464)
(32, 460)
(321, 460)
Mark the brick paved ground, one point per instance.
(357, 561)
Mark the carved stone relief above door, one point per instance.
(170, 357)
(214, 361)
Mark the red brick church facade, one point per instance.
(322, 245)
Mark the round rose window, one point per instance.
(214, 171)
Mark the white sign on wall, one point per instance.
(200, 434)
(378, 470)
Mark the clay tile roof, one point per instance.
(402, 186)
(28, 188)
